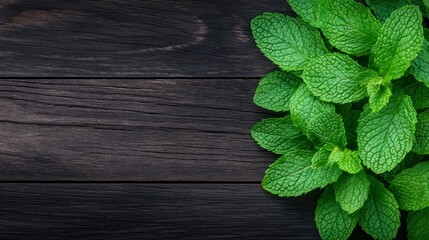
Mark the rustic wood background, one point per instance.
(126, 119)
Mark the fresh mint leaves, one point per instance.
(355, 118)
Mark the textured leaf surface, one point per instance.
(307, 10)
(292, 175)
(380, 216)
(321, 157)
(379, 96)
(411, 187)
(419, 94)
(385, 137)
(335, 78)
(275, 90)
(279, 135)
(351, 191)
(348, 25)
(383, 9)
(420, 65)
(332, 221)
(317, 118)
(400, 41)
(409, 161)
(421, 145)
(418, 224)
(288, 42)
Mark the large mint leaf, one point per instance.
(279, 135)
(351, 191)
(400, 41)
(419, 94)
(380, 216)
(421, 145)
(411, 187)
(317, 118)
(288, 42)
(418, 224)
(335, 78)
(307, 10)
(275, 90)
(348, 25)
(385, 137)
(383, 8)
(292, 175)
(420, 65)
(332, 221)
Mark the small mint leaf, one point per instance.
(351, 191)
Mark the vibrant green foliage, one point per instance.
(355, 118)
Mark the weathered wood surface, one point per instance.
(157, 38)
(130, 130)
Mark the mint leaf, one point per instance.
(400, 41)
(417, 224)
(420, 65)
(292, 175)
(421, 145)
(411, 187)
(275, 90)
(348, 25)
(288, 42)
(419, 94)
(380, 216)
(351, 191)
(321, 157)
(317, 118)
(379, 94)
(331, 220)
(383, 9)
(279, 135)
(347, 160)
(334, 78)
(385, 137)
(307, 10)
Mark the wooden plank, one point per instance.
(154, 211)
(130, 130)
(157, 38)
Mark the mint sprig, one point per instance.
(353, 87)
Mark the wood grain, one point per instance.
(130, 130)
(131, 38)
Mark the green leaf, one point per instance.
(331, 220)
(275, 90)
(420, 65)
(351, 191)
(400, 41)
(347, 160)
(379, 94)
(317, 118)
(348, 25)
(307, 10)
(421, 145)
(380, 216)
(279, 135)
(419, 94)
(418, 224)
(411, 187)
(383, 9)
(292, 175)
(409, 161)
(288, 42)
(385, 137)
(321, 157)
(334, 78)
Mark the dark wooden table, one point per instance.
(130, 120)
